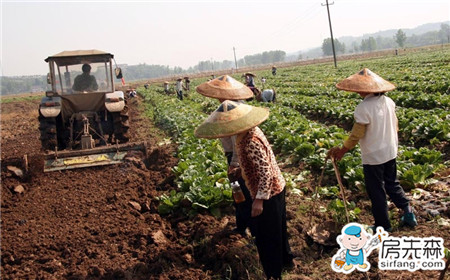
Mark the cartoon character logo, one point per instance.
(356, 245)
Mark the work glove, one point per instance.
(337, 152)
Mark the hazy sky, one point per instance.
(182, 33)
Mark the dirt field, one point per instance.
(102, 222)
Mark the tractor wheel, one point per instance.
(121, 125)
(47, 127)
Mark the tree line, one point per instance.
(399, 40)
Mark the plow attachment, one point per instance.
(97, 156)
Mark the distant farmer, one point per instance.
(146, 86)
(267, 95)
(263, 80)
(226, 88)
(85, 81)
(250, 82)
(262, 176)
(249, 79)
(274, 70)
(375, 128)
(179, 88)
(187, 82)
(166, 87)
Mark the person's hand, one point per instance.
(337, 152)
(257, 207)
(234, 173)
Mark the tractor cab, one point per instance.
(71, 72)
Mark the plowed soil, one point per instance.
(103, 223)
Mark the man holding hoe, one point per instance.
(375, 128)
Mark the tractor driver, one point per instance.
(85, 81)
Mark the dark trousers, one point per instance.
(243, 209)
(180, 95)
(271, 236)
(381, 180)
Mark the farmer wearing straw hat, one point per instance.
(250, 82)
(262, 176)
(166, 87)
(249, 79)
(179, 87)
(226, 88)
(375, 128)
(187, 82)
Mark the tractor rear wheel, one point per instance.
(121, 125)
(47, 127)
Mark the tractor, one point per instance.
(83, 120)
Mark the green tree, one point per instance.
(327, 47)
(400, 38)
(355, 48)
(368, 45)
(445, 33)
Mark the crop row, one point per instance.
(425, 72)
(201, 172)
(419, 127)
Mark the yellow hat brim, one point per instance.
(365, 81)
(226, 88)
(224, 124)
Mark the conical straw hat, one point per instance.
(225, 87)
(231, 118)
(365, 81)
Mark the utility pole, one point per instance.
(331, 31)
(235, 61)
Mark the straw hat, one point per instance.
(166, 82)
(231, 118)
(250, 74)
(365, 81)
(225, 87)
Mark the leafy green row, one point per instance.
(421, 100)
(419, 127)
(295, 136)
(201, 171)
(422, 79)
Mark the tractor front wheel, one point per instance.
(121, 125)
(47, 127)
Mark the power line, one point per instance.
(290, 26)
(295, 21)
